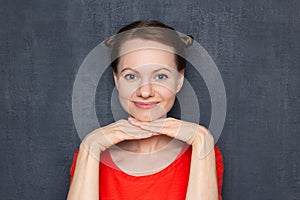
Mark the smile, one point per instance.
(145, 105)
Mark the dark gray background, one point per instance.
(255, 44)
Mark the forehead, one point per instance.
(138, 52)
(138, 44)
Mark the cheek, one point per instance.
(167, 96)
(167, 87)
(126, 90)
(170, 102)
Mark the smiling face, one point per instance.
(147, 79)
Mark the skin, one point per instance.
(147, 80)
(146, 131)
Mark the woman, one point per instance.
(148, 156)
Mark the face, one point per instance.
(147, 79)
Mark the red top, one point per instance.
(160, 185)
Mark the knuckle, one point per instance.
(170, 119)
(203, 130)
(122, 122)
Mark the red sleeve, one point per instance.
(72, 169)
(220, 170)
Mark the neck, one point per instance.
(145, 145)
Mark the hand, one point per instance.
(104, 137)
(182, 130)
(85, 183)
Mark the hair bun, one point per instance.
(187, 40)
(109, 42)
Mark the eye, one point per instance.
(161, 77)
(130, 76)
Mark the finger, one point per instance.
(181, 130)
(148, 125)
(157, 125)
(137, 134)
(104, 137)
(135, 122)
(134, 131)
(128, 131)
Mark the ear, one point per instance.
(180, 81)
(116, 80)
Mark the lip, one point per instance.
(145, 105)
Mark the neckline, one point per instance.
(108, 161)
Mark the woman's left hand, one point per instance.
(203, 176)
(182, 130)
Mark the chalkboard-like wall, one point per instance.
(255, 44)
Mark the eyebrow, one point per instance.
(137, 71)
(126, 68)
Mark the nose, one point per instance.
(145, 90)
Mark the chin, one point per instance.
(148, 117)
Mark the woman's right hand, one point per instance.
(85, 182)
(102, 138)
